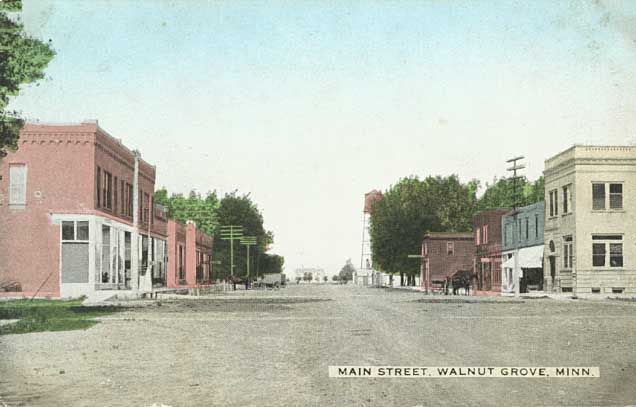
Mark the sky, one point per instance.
(308, 105)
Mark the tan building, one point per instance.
(590, 220)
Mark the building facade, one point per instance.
(590, 220)
(444, 255)
(76, 214)
(488, 245)
(523, 231)
(189, 256)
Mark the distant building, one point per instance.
(444, 255)
(526, 236)
(488, 248)
(366, 275)
(590, 220)
(317, 274)
(190, 252)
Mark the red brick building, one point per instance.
(77, 216)
(445, 254)
(488, 248)
(189, 255)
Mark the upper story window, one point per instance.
(567, 199)
(485, 234)
(17, 185)
(607, 250)
(425, 248)
(98, 184)
(600, 197)
(554, 203)
(115, 184)
(450, 248)
(536, 226)
(477, 236)
(105, 189)
(505, 234)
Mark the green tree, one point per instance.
(22, 61)
(412, 208)
(270, 263)
(335, 277)
(346, 272)
(503, 193)
(202, 211)
(239, 210)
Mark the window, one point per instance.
(505, 236)
(567, 199)
(616, 196)
(115, 184)
(98, 183)
(75, 231)
(567, 252)
(107, 198)
(527, 227)
(598, 196)
(554, 203)
(17, 185)
(485, 234)
(123, 198)
(477, 235)
(604, 245)
(450, 248)
(536, 226)
(146, 207)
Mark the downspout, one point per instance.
(135, 260)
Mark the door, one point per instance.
(552, 271)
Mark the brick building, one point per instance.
(488, 249)
(445, 254)
(189, 255)
(76, 215)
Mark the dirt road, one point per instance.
(271, 348)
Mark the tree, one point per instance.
(239, 210)
(307, 276)
(501, 193)
(202, 211)
(22, 61)
(335, 277)
(412, 208)
(271, 263)
(325, 279)
(346, 273)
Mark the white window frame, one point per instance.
(607, 198)
(618, 239)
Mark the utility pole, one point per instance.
(231, 233)
(248, 241)
(516, 234)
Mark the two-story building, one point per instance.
(75, 215)
(522, 231)
(444, 255)
(590, 220)
(488, 248)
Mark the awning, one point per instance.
(529, 257)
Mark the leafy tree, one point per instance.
(271, 263)
(22, 61)
(412, 208)
(346, 273)
(503, 193)
(335, 277)
(307, 276)
(298, 279)
(239, 210)
(325, 279)
(202, 211)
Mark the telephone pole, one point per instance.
(248, 241)
(231, 233)
(516, 234)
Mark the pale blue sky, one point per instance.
(308, 105)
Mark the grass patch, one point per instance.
(49, 315)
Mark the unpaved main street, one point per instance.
(271, 348)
